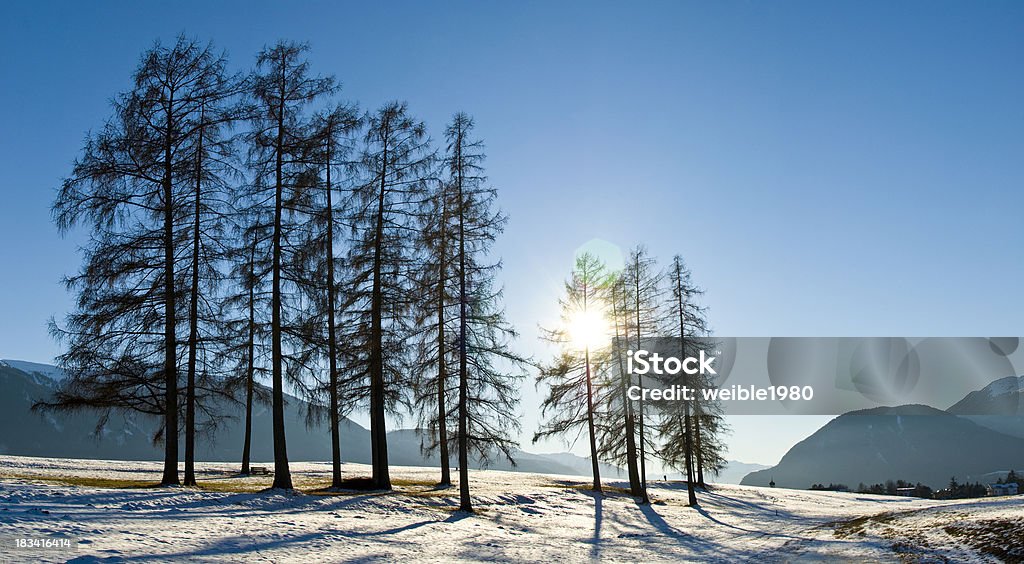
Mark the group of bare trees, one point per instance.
(604, 315)
(249, 226)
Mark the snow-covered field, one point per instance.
(520, 517)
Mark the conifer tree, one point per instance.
(131, 187)
(244, 326)
(395, 163)
(489, 371)
(685, 320)
(319, 264)
(643, 288)
(212, 178)
(570, 403)
(282, 87)
(617, 423)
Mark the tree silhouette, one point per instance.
(281, 87)
(130, 186)
(395, 162)
(570, 377)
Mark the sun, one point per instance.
(588, 329)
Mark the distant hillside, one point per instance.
(998, 406)
(130, 437)
(734, 472)
(35, 368)
(910, 442)
(28, 433)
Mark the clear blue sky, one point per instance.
(827, 168)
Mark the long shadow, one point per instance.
(707, 515)
(595, 541)
(455, 517)
(230, 506)
(239, 546)
(704, 548)
(752, 507)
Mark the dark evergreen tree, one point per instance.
(245, 327)
(131, 187)
(437, 325)
(584, 343)
(685, 321)
(319, 264)
(617, 422)
(213, 179)
(383, 208)
(643, 288)
(489, 371)
(282, 87)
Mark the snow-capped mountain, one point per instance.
(998, 406)
(35, 369)
(910, 442)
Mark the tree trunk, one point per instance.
(688, 438)
(378, 431)
(687, 430)
(595, 466)
(442, 375)
(170, 475)
(282, 474)
(250, 369)
(627, 408)
(643, 455)
(442, 348)
(631, 462)
(465, 502)
(193, 322)
(699, 449)
(332, 338)
(640, 404)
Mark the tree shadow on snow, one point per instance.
(702, 548)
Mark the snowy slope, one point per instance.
(998, 406)
(36, 369)
(521, 517)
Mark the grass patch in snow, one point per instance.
(587, 487)
(991, 536)
(364, 485)
(84, 481)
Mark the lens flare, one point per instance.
(589, 329)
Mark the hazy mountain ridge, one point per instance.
(911, 442)
(129, 437)
(998, 406)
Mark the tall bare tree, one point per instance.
(131, 187)
(395, 163)
(686, 321)
(244, 326)
(282, 87)
(329, 154)
(570, 404)
(617, 422)
(643, 287)
(489, 371)
(213, 178)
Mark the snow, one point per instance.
(34, 368)
(1008, 385)
(520, 517)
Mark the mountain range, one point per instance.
(998, 406)
(978, 437)
(130, 437)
